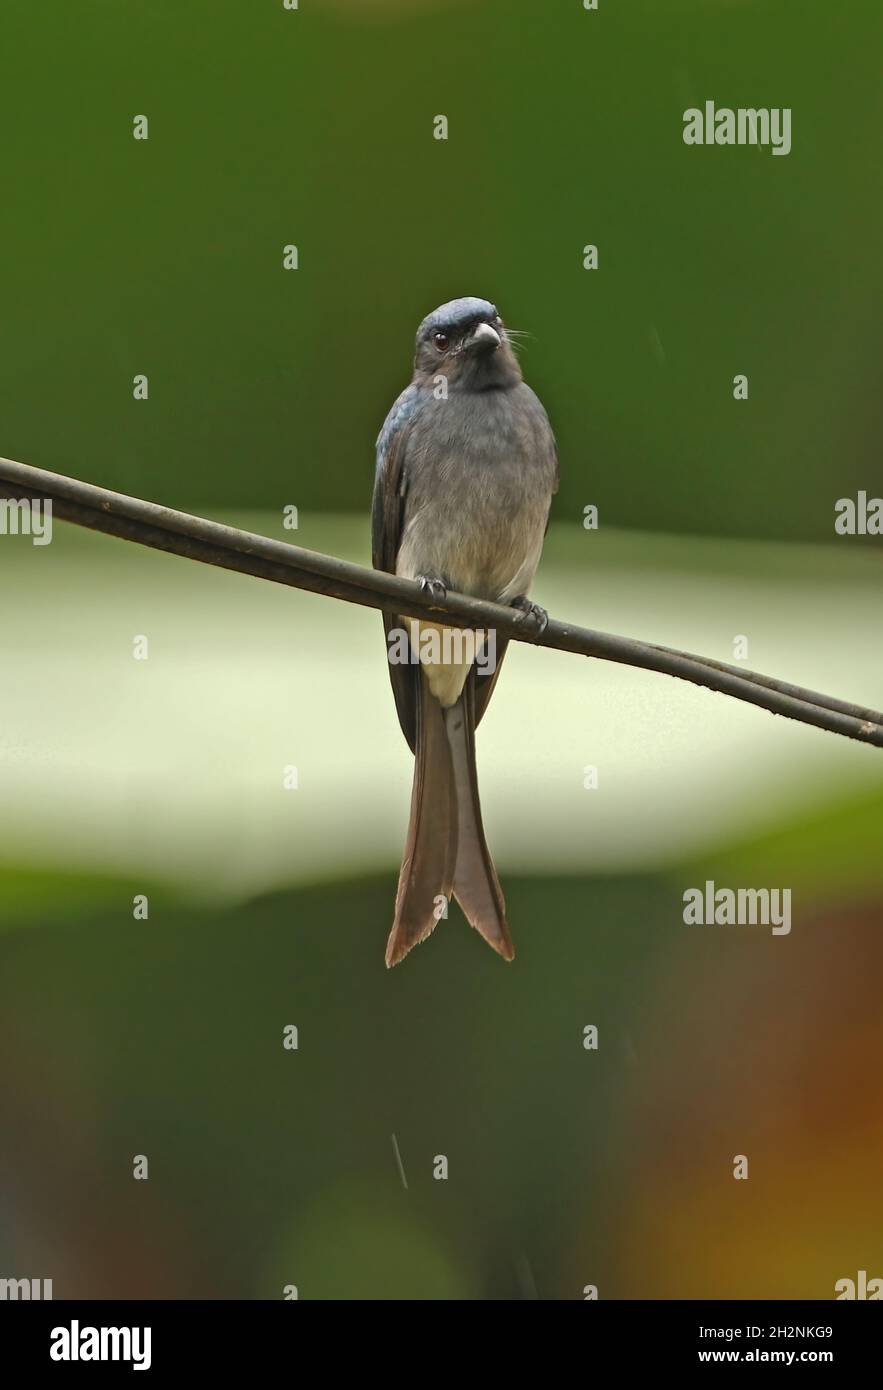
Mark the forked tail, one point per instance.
(445, 850)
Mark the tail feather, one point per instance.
(427, 870)
(476, 886)
(446, 850)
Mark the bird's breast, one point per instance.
(479, 481)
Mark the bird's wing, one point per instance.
(390, 486)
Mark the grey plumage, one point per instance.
(466, 468)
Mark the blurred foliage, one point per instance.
(834, 849)
(567, 1166)
(313, 127)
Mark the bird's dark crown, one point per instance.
(457, 315)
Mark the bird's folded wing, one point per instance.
(390, 485)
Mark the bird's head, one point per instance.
(466, 342)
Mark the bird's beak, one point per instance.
(485, 338)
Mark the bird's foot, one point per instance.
(531, 614)
(434, 585)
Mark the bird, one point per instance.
(466, 468)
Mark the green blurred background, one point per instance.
(267, 388)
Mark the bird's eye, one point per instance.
(442, 341)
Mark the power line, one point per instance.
(212, 543)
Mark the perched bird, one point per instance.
(466, 469)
